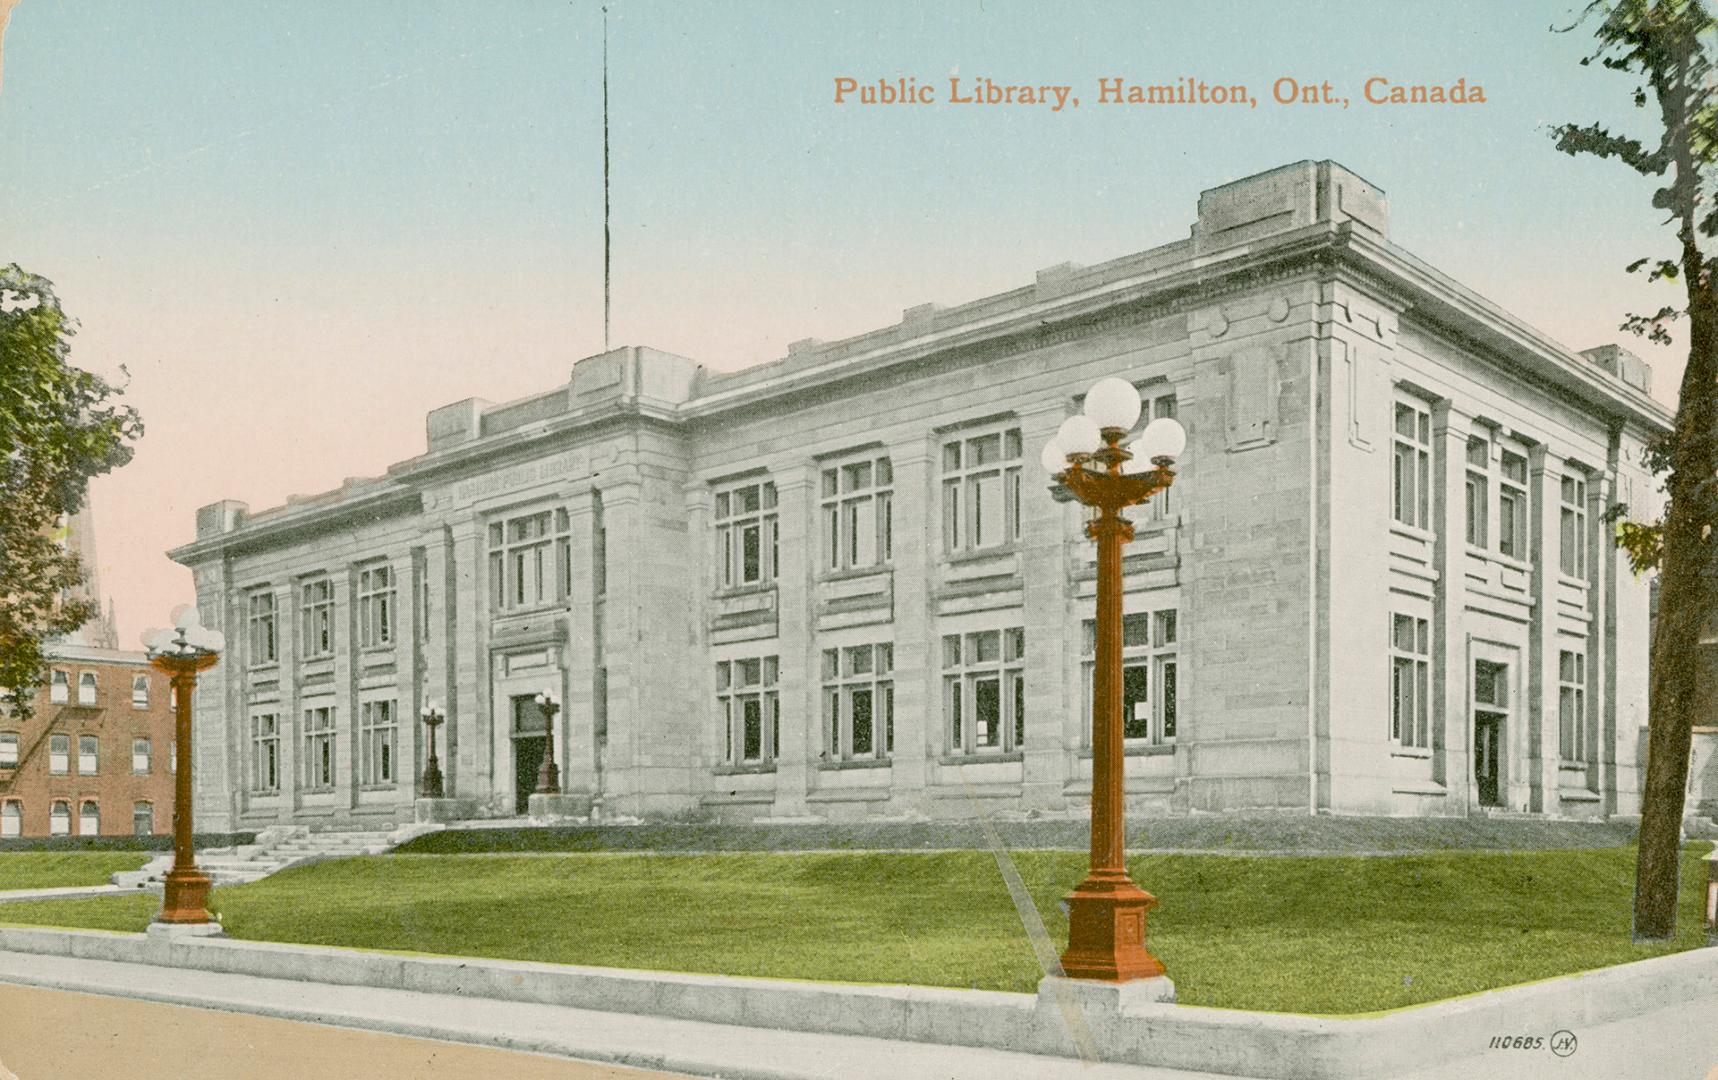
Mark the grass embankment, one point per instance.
(1294, 934)
(59, 869)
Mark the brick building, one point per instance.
(836, 586)
(96, 756)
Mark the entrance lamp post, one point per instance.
(548, 777)
(182, 652)
(1107, 911)
(432, 718)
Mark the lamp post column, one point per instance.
(432, 782)
(548, 774)
(187, 887)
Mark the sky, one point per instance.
(301, 226)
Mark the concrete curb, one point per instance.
(1162, 1035)
(63, 892)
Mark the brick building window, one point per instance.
(140, 756)
(375, 607)
(89, 749)
(1411, 469)
(1478, 491)
(60, 818)
(981, 491)
(748, 545)
(858, 514)
(265, 646)
(142, 819)
(984, 691)
(1410, 676)
(87, 688)
(858, 702)
(59, 688)
(378, 735)
(265, 754)
(1150, 659)
(1512, 527)
(59, 754)
(140, 691)
(1572, 705)
(316, 609)
(1572, 527)
(319, 748)
(89, 818)
(8, 749)
(749, 710)
(11, 818)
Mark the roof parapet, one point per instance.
(1284, 199)
(1624, 365)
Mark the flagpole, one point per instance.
(605, 230)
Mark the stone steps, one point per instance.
(275, 849)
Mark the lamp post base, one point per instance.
(185, 898)
(548, 779)
(1106, 931)
(432, 779)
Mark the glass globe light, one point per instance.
(1162, 438)
(1113, 403)
(1054, 458)
(1079, 435)
(186, 616)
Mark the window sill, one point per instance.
(1577, 795)
(1137, 750)
(743, 590)
(272, 793)
(545, 608)
(372, 650)
(264, 667)
(1413, 532)
(855, 763)
(742, 770)
(1572, 766)
(386, 785)
(1571, 580)
(1411, 752)
(855, 572)
(316, 791)
(980, 758)
(981, 554)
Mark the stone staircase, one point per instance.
(276, 848)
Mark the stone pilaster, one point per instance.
(1540, 681)
(1050, 648)
(917, 699)
(576, 741)
(797, 685)
(1451, 727)
(464, 760)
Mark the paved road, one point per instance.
(58, 1035)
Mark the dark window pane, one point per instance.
(1136, 702)
(862, 739)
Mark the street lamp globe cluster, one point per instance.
(183, 651)
(1086, 459)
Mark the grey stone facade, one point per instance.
(708, 540)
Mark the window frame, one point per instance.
(85, 806)
(93, 755)
(265, 750)
(1158, 655)
(15, 741)
(56, 815)
(11, 818)
(377, 583)
(1572, 741)
(1412, 659)
(59, 687)
(148, 756)
(139, 700)
(92, 682)
(379, 740)
(61, 758)
(138, 808)
(733, 694)
(962, 484)
(262, 621)
(321, 768)
(964, 671)
(843, 682)
(1478, 484)
(1514, 543)
(841, 500)
(318, 639)
(1572, 525)
(1410, 464)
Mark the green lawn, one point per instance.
(1295, 934)
(56, 869)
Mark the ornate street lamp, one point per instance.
(1106, 911)
(182, 652)
(548, 777)
(432, 719)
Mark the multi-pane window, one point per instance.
(379, 736)
(89, 818)
(981, 491)
(563, 554)
(747, 535)
(984, 691)
(1410, 677)
(599, 547)
(1512, 525)
(1478, 491)
(319, 747)
(11, 818)
(317, 614)
(1160, 407)
(86, 688)
(749, 711)
(1572, 534)
(858, 702)
(265, 647)
(89, 748)
(140, 755)
(521, 560)
(59, 688)
(8, 749)
(59, 754)
(265, 753)
(376, 606)
(142, 819)
(60, 818)
(1571, 704)
(1411, 478)
(1149, 670)
(858, 514)
(140, 691)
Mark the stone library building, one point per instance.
(837, 586)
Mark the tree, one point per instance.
(59, 426)
(1666, 45)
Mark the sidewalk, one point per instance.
(63, 892)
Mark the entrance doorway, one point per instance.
(530, 742)
(1490, 724)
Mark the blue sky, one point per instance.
(307, 224)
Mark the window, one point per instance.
(375, 607)
(378, 734)
(264, 646)
(1571, 704)
(89, 818)
(8, 749)
(59, 688)
(140, 691)
(265, 753)
(60, 818)
(140, 756)
(1158, 408)
(747, 537)
(173, 755)
(981, 491)
(1411, 479)
(563, 554)
(984, 691)
(1512, 530)
(747, 706)
(858, 702)
(319, 748)
(1410, 652)
(318, 613)
(142, 819)
(520, 573)
(1572, 535)
(1149, 663)
(11, 818)
(59, 754)
(86, 688)
(858, 514)
(1478, 491)
(88, 749)
(599, 547)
